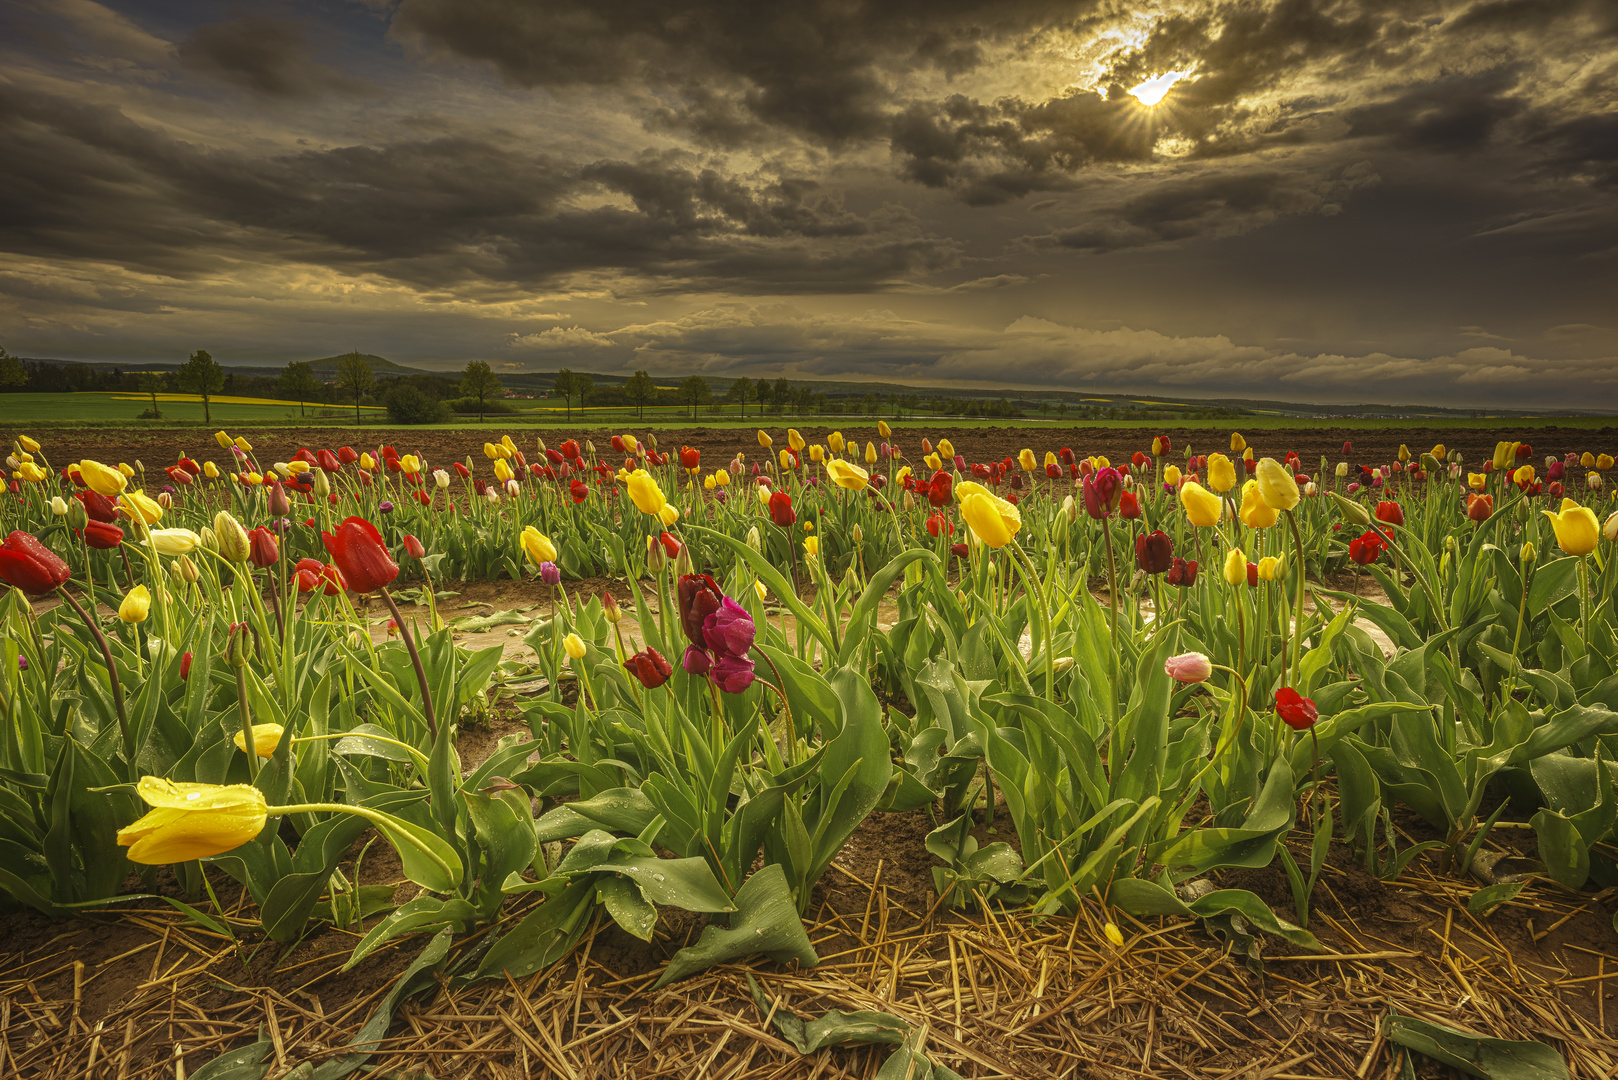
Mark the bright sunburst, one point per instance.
(1152, 90)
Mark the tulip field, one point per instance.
(1094, 699)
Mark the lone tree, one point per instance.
(694, 391)
(12, 373)
(565, 386)
(354, 378)
(640, 389)
(480, 384)
(150, 383)
(741, 391)
(298, 382)
(202, 375)
(583, 387)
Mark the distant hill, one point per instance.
(379, 366)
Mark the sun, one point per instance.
(1153, 90)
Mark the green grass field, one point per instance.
(22, 411)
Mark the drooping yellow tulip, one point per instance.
(1276, 485)
(225, 441)
(136, 504)
(1202, 507)
(846, 474)
(946, 448)
(1577, 529)
(795, 440)
(670, 514)
(992, 519)
(31, 472)
(1221, 473)
(137, 604)
(489, 452)
(102, 479)
(29, 443)
(645, 493)
(298, 468)
(505, 441)
(266, 737)
(883, 430)
(537, 546)
(934, 462)
(764, 439)
(1255, 512)
(192, 821)
(174, 541)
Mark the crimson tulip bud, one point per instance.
(185, 667)
(413, 547)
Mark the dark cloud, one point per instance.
(436, 212)
(265, 55)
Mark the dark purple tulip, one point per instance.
(730, 629)
(733, 673)
(549, 573)
(695, 661)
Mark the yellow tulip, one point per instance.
(883, 430)
(210, 470)
(1577, 529)
(707, 483)
(136, 504)
(505, 441)
(410, 464)
(783, 458)
(31, 472)
(1270, 568)
(808, 523)
(266, 737)
(1603, 461)
(192, 821)
(934, 462)
(1404, 452)
(1524, 475)
(537, 546)
(252, 478)
(835, 441)
(1171, 476)
(1276, 485)
(722, 478)
(136, 606)
(243, 445)
(1255, 512)
(1609, 528)
(368, 463)
(127, 469)
(1237, 443)
(1027, 460)
(845, 474)
(300, 467)
(102, 479)
(794, 440)
(1505, 452)
(29, 443)
(969, 487)
(1236, 567)
(1440, 452)
(670, 514)
(225, 442)
(1050, 457)
(946, 448)
(1477, 481)
(1588, 460)
(502, 470)
(1221, 473)
(902, 475)
(764, 439)
(1202, 507)
(811, 546)
(574, 645)
(870, 453)
(489, 452)
(230, 539)
(174, 541)
(817, 453)
(992, 520)
(645, 493)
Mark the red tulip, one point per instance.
(1252, 575)
(28, 565)
(185, 667)
(781, 511)
(327, 461)
(649, 667)
(1183, 573)
(937, 523)
(1365, 549)
(579, 491)
(414, 547)
(941, 490)
(1154, 552)
(1129, 506)
(617, 444)
(358, 552)
(1524, 451)
(1390, 512)
(102, 535)
(97, 506)
(1298, 711)
(1479, 507)
(1348, 448)
(462, 471)
(958, 550)
(1065, 455)
(263, 548)
(1053, 471)
(554, 456)
(347, 455)
(690, 458)
(671, 545)
(570, 450)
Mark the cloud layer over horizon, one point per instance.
(1345, 200)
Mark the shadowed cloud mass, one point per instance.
(1411, 200)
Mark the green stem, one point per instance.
(386, 822)
(415, 662)
(1297, 614)
(1035, 587)
(112, 676)
(249, 747)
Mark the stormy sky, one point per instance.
(1333, 200)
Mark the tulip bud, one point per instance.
(183, 569)
(1191, 667)
(236, 645)
(136, 605)
(1352, 511)
(1609, 529)
(574, 645)
(1070, 509)
(655, 559)
(1063, 664)
(1236, 567)
(231, 538)
(682, 561)
(753, 540)
(77, 516)
(610, 608)
(1526, 555)
(858, 534)
(850, 582)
